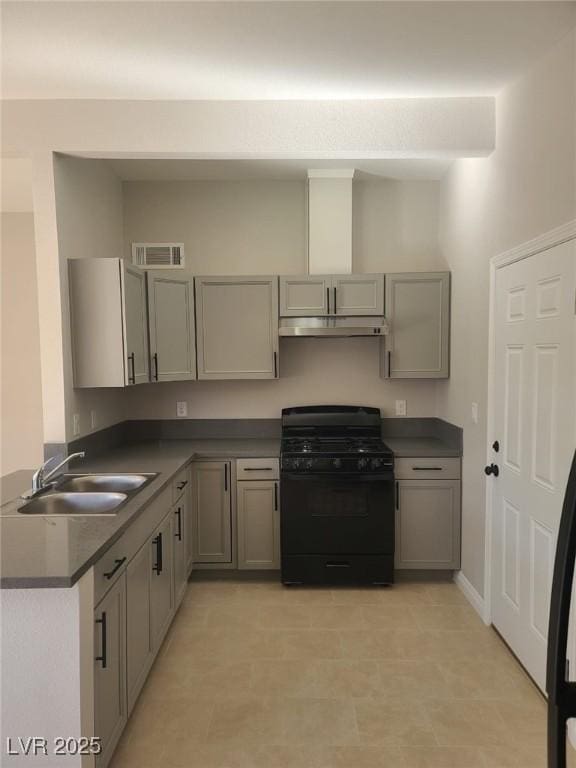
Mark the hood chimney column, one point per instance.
(330, 221)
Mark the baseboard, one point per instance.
(471, 594)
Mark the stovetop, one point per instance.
(334, 446)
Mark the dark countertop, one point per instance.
(39, 552)
(56, 551)
(427, 447)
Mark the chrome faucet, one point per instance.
(40, 480)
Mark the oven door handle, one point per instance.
(367, 478)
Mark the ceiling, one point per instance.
(215, 170)
(272, 50)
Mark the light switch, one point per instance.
(475, 413)
(93, 419)
(400, 407)
(76, 424)
(181, 409)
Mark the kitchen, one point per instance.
(304, 321)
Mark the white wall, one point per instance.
(251, 227)
(21, 397)
(525, 188)
(90, 225)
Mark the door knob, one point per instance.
(492, 469)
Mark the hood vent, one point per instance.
(333, 326)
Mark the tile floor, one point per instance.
(255, 675)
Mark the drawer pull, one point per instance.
(337, 565)
(178, 533)
(117, 566)
(427, 469)
(182, 485)
(158, 565)
(258, 469)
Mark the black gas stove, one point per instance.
(337, 491)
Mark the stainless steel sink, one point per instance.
(128, 483)
(74, 504)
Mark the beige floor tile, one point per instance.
(283, 677)
(284, 617)
(446, 617)
(408, 680)
(337, 616)
(404, 594)
(445, 594)
(442, 757)
(484, 680)
(385, 616)
(321, 722)
(311, 644)
(245, 721)
(347, 678)
(374, 644)
(220, 679)
(516, 754)
(308, 595)
(351, 596)
(393, 723)
(234, 615)
(366, 757)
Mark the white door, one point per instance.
(535, 425)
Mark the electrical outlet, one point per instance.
(76, 424)
(400, 407)
(93, 420)
(475, 413)
(182, 409)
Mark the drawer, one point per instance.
(257, 469)
(180, 483)
(113, 562)
(423, 468)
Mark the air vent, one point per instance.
(158, 255)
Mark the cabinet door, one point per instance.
(305, 295)
(190, 516)
(138, 632)
(258, 524)
(358, 294)
(428, 524)
(161, 581)
(212, 536)
(171, 319)
(110, 713)
(237, 333)
(180, 559)
(136, 325)
(418, 310)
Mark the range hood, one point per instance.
(333, 326)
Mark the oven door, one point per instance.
(337, 514)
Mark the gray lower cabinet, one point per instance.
(211, 512)
(171, 322)
(237, 327)
(258, 524)
(418, 312)
(180, 554)
(428, 524)
(161, 580)
(140, 652)
(110, 705)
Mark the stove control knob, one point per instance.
(309, 464)
(337, 463)
(362, 463)
(376, 463)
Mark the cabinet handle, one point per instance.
(427, 469)
(389, 363)
(225, 477)
(275, 365)
(158, 566)
(117, 566)
(131, 376)
(258, 469)
(155, 358)
(328, 300)
(397, 495)
(179, 516)
(335, 304)
(182, 485)
(103, 658)
(275, 497)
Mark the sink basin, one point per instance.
(115, 483)
(74, 504)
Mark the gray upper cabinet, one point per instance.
(110, 712)
(317, 295)
(211, 512)
(418, 311)
(237, 327)
(171, 321)
(358, 294)
(109, 326)
(305, 295)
